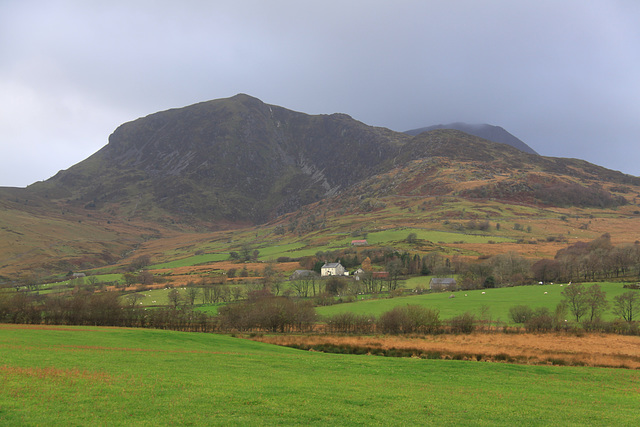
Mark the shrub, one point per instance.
(520, 313)
(541, 320)
(350, 323)
(409, 319)
(463, 324)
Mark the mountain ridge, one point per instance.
(485, 131)
(240, 159)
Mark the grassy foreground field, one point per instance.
(111, 376)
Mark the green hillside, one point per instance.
(498, 301)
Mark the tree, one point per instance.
(411, 238)
(335, 285)
(192, 293)
(146, 278)
(134, 299)
(627, 305)
(130, 279)
(174, 297)
(236, 292)
(596, 300)
(546, 270)
(140, 262)
(576, 300)
(271, 277)
(394, 269)
(510, 268)
(303, 284)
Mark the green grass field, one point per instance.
(98, 278)
(399, 234)
(498, 300)
(191, 261)
(111, 376)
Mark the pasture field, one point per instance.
(399, 234)
(113, 376)
(191, 261)
(497, 300)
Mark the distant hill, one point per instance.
(488, 132)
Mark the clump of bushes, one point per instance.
(349, 323)
(410, 319)
(463, 324)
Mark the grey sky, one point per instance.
(563, 76)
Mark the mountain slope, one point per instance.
(453, 163)
(243, 161)
(235, 159)
(235, 162)
(488, 132)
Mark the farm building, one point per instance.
(443, 284)
(299, 274)
(359, 243)
(333, 269)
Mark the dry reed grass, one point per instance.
(604, 350)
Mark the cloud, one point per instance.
(560, 76)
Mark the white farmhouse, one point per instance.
(333, 269)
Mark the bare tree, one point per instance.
(576, 300)
(627, 305)
(236, 292)
(596, 300)
(174, 297)
(192, 293)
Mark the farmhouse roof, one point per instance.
(443, 281)
(331, 265)
(303, 272)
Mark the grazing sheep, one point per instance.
(545, 293)
(452, 296)
(482, 292)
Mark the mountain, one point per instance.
(235, 159)
(448, 162)
(239, 160)
(230, 163)
(485, 131)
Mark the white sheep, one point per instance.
(482, 292)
